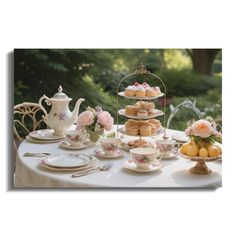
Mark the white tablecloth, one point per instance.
(174, 174)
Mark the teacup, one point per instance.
(166, 147)
(110, 146)
(77, 137)
(144, 157)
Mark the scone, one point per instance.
(130, 123)
(145, 130)
(153, 128)
(133, 130)
(131, 110)
(157, 123)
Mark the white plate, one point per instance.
(158, 113)
(123, 131)
(93, 162)
(67, 145)
(130, 165)
(122, 94)
(44, 134)
(66, 160)
(100, 153)
(182, 138)
(32, 140)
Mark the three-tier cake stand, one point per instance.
(143, 72)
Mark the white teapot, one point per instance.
(60, 118)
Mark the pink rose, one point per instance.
(105, 120)
(85, 118)
(202, 128)
(188, 131)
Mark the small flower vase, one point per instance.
(95, 135)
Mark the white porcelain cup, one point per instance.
(111, 146)
(166, 147)
(77, 137)
(144, 157)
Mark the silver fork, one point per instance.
(107, 166)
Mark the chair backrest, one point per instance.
(27, 117)
(186, 104)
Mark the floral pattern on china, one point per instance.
(60, 118)
(95, 121)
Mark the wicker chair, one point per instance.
(27, 117)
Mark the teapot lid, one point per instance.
(60, 95)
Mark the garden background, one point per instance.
(94, 74)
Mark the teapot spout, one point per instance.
(76, 109)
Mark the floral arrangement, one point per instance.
(95, 121)
(203, 130)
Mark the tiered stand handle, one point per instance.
(142, 71)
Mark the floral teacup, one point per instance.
(166, 147)
(144, 157)
(110, 146)
(77, 137)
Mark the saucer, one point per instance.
(131, 165)
(45, 134)
(102, 154)
(33, 140)
(67, 145)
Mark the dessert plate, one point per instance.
(155, 114)
(67, 145)
(130, 165)
(93, 162)
(33, 140)
(66, 160)
(122, 94)
(45, 134)
(100, 153)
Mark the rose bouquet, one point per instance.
(204, 130)
(95, 121)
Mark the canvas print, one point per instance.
(117, 118)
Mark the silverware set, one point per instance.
(107, 166)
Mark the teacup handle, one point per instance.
(176, 147)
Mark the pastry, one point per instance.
(140, 105)
(130, 91)
(133, 130)
(144, 122)
(153, 128)
(150, 106)
(130, 123)
(157, 123)
(152, 91)
(142, 113)
(145, 130)
(140, 91)
(138, 143)
(131, 110)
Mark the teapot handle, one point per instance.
(48, 102)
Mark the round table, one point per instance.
(174, 173)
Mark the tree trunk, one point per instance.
(203, 59)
